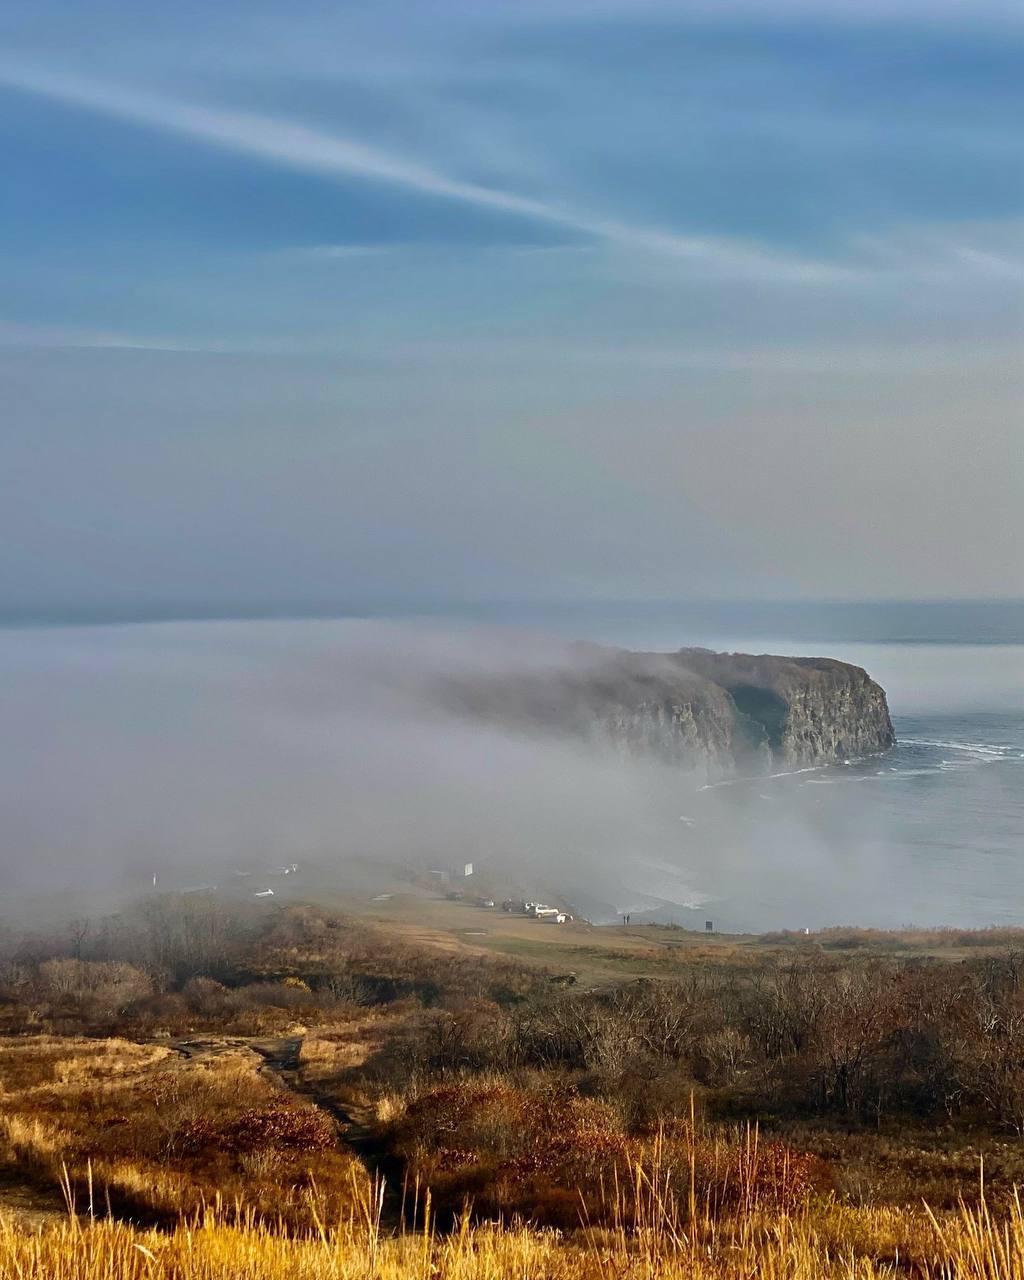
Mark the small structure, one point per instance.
(467, 870)
(709, 926)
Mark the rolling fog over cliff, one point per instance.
(186, 750)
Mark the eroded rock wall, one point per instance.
(711, 713)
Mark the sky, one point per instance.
(311, 305)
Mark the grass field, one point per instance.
(600, 953)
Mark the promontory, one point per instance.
(713, 713)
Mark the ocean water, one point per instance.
(931, 833)
(187, 748)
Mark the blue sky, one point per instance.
(313, 303)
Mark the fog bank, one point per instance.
(187, 750)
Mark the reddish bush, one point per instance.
(512, 1151)
(280, 1126)
(555, 1158)
(275, 1126)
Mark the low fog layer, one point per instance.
(189, 750)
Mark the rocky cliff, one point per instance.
(713, 713)
(812, 710)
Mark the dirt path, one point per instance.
(280, 1060)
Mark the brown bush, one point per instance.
(205, 996)
(281, 1125)
(96, 989)
(557, 1158)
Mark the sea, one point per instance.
(929, 834)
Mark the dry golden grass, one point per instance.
(268, 1217)
(829, 1243)
(159, 1137)
(44, 1060)
(331, 1051)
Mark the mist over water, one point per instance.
(931, 833)
(188, 749)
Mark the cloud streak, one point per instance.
(921, 12)
(314, 151)
(26, 335)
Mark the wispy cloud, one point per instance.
(924, 12)
(994, 264)
(28, 335)
(340, 252)
(947, 251)
(825, 357)
(318, 254)
(299, 147)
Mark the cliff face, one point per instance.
(711, 713)
(813, 710)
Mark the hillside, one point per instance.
(296, 1092)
